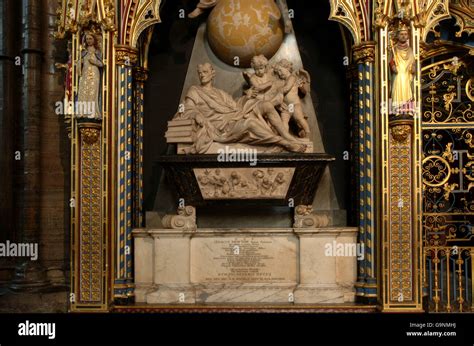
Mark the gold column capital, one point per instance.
(401, 129)
(126, 55)
(364, 52)
(90, 131)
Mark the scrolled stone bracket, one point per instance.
(184, 220)
(305, 218)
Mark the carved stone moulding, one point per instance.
(185, 219)
(400, 130)
(202, 180)
(364, 52)
(126, 55)
(244, 183)
(305, 218)
(90, 131)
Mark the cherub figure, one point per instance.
(279, 180)
(237, 180)
(266, 186)
(262, 83)
(221, 185)
(292, 102)
(262, 80)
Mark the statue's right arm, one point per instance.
(393, 66)
(392, 63)
(290, 83)
(188, 103)
(260, 87)
(191, 110)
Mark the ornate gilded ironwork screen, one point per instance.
(448, 181)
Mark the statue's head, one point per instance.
(90, 40)
(259, 64)
(284, 68)
(206, 73)
(402, 33)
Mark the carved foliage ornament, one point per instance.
(400, 132)
(125, 55)
(249, 183)
(109, 15)
(425, 14)
(66, 18)
(364, 53)
(90, 134)
(72, 14)
(90, 238)
(381, 16)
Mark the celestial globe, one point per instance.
(237, 30)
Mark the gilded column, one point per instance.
(90, 183)
(140, 77)
(91, 30)
(352, 79)
(356, 16)
(92, 178)
(364, 56)
(126, 59)
(401, 243)
(89, 241)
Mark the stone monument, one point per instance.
(245, 134)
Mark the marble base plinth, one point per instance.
(217, 294)
(324, 294)
(245, 266)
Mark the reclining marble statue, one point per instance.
(260, 117)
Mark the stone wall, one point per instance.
(34, 191)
